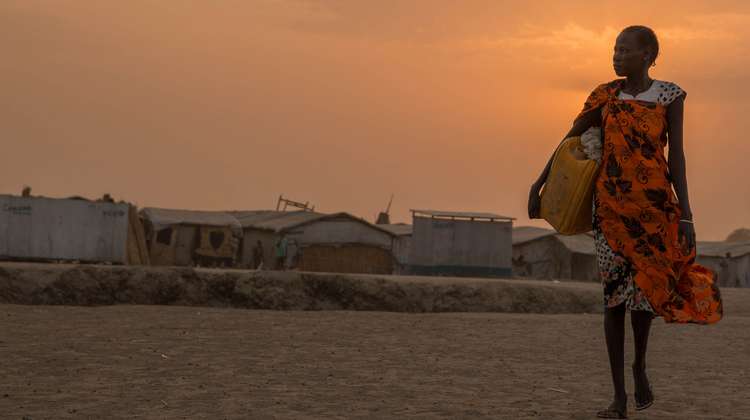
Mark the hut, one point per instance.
(545, 254)
(338, 242)
(70, 229)
(264, 227)
(402, 237)
(730, 261)
(190, 237)
(465, 244)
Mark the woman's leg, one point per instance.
(614, 331)
(641, 322)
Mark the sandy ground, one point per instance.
(128, 361)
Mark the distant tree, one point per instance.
(739, 235)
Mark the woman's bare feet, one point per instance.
(644, 396)
(617, 410)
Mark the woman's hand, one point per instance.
(535, 201)
(686, 235)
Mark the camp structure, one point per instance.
(70, 229)
(466, 244)
(191, 237)
(338, 242)
(544, 254)
(402, 236)
(730, 261)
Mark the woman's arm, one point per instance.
(676, 159)
(676, 162)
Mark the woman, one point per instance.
(645, 240)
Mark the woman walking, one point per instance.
(644, 235)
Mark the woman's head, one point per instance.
(636, 50)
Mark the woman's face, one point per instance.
(629, 56)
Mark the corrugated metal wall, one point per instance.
(63, 229)
(401, 249)
(461, 247)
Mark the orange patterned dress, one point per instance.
(637, 213)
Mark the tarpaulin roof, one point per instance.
(582, 243)
(274, 220)
(523, 234)
(398, 229)
(161, 218)
(279, 221)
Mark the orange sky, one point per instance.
(448, 105)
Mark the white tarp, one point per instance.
(64, 229)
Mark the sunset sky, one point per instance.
(451, 105)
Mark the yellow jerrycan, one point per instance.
(566, 195)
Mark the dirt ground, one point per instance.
(126, 361)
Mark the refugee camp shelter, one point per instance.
(544, 254)
(54, 229)
(466, 244)
(402, 237)
(730, 261)
(338, 242)
(191, 237)
(265, 226)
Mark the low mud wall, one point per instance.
(53, 284)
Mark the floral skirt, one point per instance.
(616, 273)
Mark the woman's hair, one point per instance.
(646, 37)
